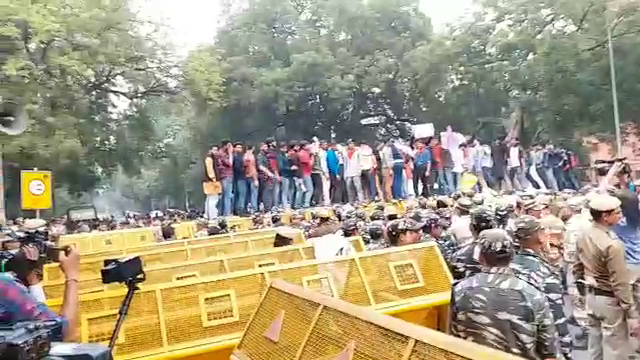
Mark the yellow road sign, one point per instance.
(36, 189)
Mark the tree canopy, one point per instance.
(113, 108)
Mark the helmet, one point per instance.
(468, 193)
(257, 219)
(361, 215)
(349, 213)
(375, 229)
(482, 218)
(477, 199)
(349, 227)
(525, 227)
(431, 220)
(376, 215)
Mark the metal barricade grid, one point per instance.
(208, 310)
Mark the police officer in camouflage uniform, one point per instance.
(350, 228)
(466, 261)
(325, 225)
(404, 231)
(374, 239)
(496, 309)
(434, 231)
(530, 265)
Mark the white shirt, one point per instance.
(487, 161)
(323, 161)
(366, 157)
(457, 156)
(514, 157)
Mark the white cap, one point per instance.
(33, 224)
(604, 203)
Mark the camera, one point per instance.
(25, 341)
(15, 259)
(33, 340)
(602, 167)
(122, 270)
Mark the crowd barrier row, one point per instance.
(110, 240)
(294, 323)
(118, 240)
(209, 314)
(175, 251)
(181, 271)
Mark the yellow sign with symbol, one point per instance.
(36, 189)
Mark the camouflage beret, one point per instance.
(477, 199)
(376, 215)
(350, 225)
(533, 205)
(400, 226)
(482, 215)
(553, 224)
(495, 242)
(464, 203)
(526, 226)
(444, 213)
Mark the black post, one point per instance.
(124, 309)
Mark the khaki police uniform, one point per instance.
(601, 264)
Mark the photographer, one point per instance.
(617, 173)
(19, 304)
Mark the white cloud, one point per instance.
(194, 22)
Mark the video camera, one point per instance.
(32, 340)
(15, 259)
(123, 270)
(603, 166)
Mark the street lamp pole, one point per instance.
(614, 91)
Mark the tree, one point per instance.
(82, 68)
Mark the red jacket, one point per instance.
(306, 162)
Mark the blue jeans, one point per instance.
(443, 186)
(455, 180)
(298, 194)
(241, 186)
(253, 197)
(227, 195)
(267, 194)
(285, 192)
(398, 177)
(308, 184)
(276, 194)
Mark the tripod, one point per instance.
(132, 286)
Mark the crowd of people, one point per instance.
(532, 253)
(515, 256)
(241, 179)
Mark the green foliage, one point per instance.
(112, 110)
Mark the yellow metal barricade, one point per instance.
(199, 268)
(185, 230)
(208, 315)
(239, 223)
(109, 240)
(292, 322)
(169, 252)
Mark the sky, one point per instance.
(194, 22)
